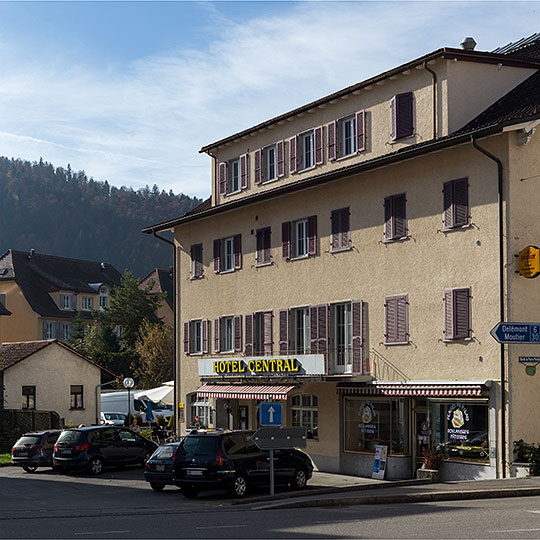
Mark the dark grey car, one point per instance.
(33, 450)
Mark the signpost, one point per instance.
(277, 438)
(516, 332)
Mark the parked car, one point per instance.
(33, 450)
(158, 470)
(231, 460)
(113, 418)
(96, 447)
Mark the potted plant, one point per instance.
(432, 462)
(527, 459)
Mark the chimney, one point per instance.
(31, 255)
(468, 44)
(102, 265)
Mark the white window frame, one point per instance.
(66, 330)
(49, 330)
(65, 301)
(346, 141)
(195, 337)
(299, 239)
(227, 334)
(341, 336)
(86, 303)
(118, 330)
(199, 407)
(299, 330)
(233, 181)
(305, 413)
(103, 298)
(269, 162)
(227, 254)
(306, 149)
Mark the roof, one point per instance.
(12, 353)
(527, 48)
(37, 275)
(163, 283)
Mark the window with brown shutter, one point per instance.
(340, 239)
(456, 211)
(402, 115)
(395, 218)
(264, 251)
(457, 313)
(396, 319)
(196, 270)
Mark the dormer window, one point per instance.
(67, 301)
(103, 298)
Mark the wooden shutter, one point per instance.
(462, 327)
(399, 224)
(341, 234)
(268, 338)
(223, 178)
(258, 167)
(335, 226)
(237, 328)
(283, 331)
(332, 141)
(322, 329)
(205, 331)
(312, 235)
(390, 305)
(404, 115)
(286, 239)
(313, 330)
(393, 132)
(244, 172)
(217, 255)
(259, 241)
(402, 304)
(448, 205)
(448, 314)
(357, 344)
(186, 337)
(72, 301)
(280, 145)
(248, 343)
(217, 335)
(237, 246)
(360, 131)
(267, 245)
(345, 228)
(319, 151)
(461, 202)
(292, 155)
(388, 211)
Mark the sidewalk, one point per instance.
(326, 489)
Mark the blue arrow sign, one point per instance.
(271, 414)
(516, 332)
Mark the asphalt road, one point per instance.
(119, 504)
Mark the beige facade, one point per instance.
(428, 373)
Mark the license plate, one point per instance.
(21, 454)
(194, 473)
(65, 452)
(160, 467)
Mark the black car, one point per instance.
(33, 450)
(95, 447)
(231, 460)
(159, 468)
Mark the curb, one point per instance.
(409, 498)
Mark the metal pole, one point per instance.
(129, 406)
(271, 472)
(98, 408)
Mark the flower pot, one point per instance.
(430, 474)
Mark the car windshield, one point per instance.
(70, 437)
(199, 446)
(115, 416)
(164, 452)
(29, 439)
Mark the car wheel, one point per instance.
(157, 487)
(96, 465)
(190, 491)
(299, 480)
(239, 486)
(29, 468)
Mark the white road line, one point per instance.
(339, 521)
(223, 527)
(101, 532)
(515, 530)
(534, 511)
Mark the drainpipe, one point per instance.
(98, 408)
(501, 294)
(175, 412)
(215, 187)
(434, 87)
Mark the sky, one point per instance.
(130, 91)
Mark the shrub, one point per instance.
(432, 458)
(528, 453)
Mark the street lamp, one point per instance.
(129, 383)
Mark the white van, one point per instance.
(118, 402)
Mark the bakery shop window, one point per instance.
(461, 429)
(372, 422)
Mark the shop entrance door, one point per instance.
(421, 434)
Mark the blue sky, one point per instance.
(130, 91)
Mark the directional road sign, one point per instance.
(517, 332)
(274, 438)
(271, 414)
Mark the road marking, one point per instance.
(338, 521)
(515, 530)
(223, 527)
(101, 532)
(534, 511)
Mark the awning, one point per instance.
(416, 388)
(162, 394)
(244, 391)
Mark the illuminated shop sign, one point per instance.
(367, 414)
(306, 364)
(457, 417)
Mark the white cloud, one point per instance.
(144, 123)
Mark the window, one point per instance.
(199, 411)
(402, 115)
(228, 254)
(49, 330)
(396, 319)
(103, 298)
(299, 238)
(196, 270)
(118, 330)
(196, 336)
(346, 136)
(457, 317)
(195, 341)
(341, 346)
(67, 301)
(76, 396)
(341, 232)
(259, 334)
(372, 422)
(227, 334)
(395, 221)
(299, 336)
(306, 158)
(306, 150)
(269, 163)
(304, 413)
(233, 175)
(86, 303)
(264, 247)
(28, 397)
(66, 329)
(456, 203)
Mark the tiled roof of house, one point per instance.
(37, 275)
(526, 48)
(205, 205)
(163, 282)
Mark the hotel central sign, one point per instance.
(303, 364)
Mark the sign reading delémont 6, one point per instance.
(529, 262)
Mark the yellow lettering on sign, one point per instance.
(279, 365)
(265, 365)
(529, 262)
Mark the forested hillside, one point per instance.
(61, 212)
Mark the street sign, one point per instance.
(517, 332)
(271, 414)
(529, 262)
(278, 438)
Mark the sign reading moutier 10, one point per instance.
(303, 364)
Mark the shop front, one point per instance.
(457, 419)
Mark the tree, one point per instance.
(155, 351)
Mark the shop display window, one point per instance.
(369, 423)
(460, 429)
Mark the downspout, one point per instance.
(434, 87)
(501, 294)
(215, 183)
(174, 328)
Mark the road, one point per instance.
(119, 504)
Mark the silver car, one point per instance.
(113, 418)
